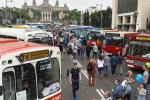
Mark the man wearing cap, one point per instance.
(146, 74)
(75, 77)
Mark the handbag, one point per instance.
(128, 89)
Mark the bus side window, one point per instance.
(9, 85)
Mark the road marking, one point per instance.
(102, 91)
(84, 74)
(99, 93)
(83, 71)
(78, 63)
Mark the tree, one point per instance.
(16, 13)
(73, 15)
(106, 18)
(55, 15)
(93, 18)
(36, 15)
(86, 18)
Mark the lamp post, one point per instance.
(6, 8)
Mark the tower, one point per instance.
(65, 6)
(45, 1)
(34, 3)
(57, 3)
(25, 3)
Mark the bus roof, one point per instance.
(21, 33)
(95, 30)
(17, 46)
(143, 34)
(122, 33)
(4, 40)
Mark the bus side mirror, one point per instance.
(1, 90)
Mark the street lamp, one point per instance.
(6, 7)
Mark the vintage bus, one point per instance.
(94, 36)
(43, 26)
(139, 51)
(29, 35)
(4, 40)
(116, 42)
(29, 71)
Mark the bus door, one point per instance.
(20, 82)
(9, 84)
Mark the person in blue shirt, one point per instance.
(117, 92)
(114, 63)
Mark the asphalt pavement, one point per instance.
(87, 92)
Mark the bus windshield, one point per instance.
(140, 49)
(48, 77)
(114, 41)
(94, 35)
(42, 38)
(47, 74)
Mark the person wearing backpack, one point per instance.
(128, 85)
(91, 69)
(118, 91)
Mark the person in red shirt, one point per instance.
(91, 69)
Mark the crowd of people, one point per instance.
(101, 61)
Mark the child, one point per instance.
(141, 92)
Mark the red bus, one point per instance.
(94, 37)
(116, 42)
(139, 51)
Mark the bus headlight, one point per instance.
(131, 66)
(129, 61)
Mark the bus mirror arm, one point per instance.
(20, 60)
(1, 90)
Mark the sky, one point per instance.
(72, 4)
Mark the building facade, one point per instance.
(46, 9)
(130, 15)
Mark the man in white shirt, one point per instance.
(95, 50)
(100, 65)
(75, 49)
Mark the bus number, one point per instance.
(34, 55)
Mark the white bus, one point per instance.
(29, 71)
(30, 35)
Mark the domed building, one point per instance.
(48, 12)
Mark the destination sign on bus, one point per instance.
(143, 38)
(34, 55)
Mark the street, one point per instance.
(87, 92)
